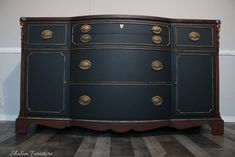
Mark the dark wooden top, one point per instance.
(118, 16)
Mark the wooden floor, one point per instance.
(78, 142)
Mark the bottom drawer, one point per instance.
(120, 102)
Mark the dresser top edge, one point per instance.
(117, 16)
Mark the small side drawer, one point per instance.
(47, 34)
(194, 36)
(120, 102)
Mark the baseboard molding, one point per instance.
(17, 50)
(228, 118)
(13, 118)
(225, 52)
(8, 117)
(10, 50)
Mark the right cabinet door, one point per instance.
(194, 85)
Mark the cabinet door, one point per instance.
(194, 86)
(45, 83)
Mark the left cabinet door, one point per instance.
(46, 75)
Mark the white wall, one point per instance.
(227, 86)
(12, 10)
(9, 83)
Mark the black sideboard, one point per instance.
(119, 72)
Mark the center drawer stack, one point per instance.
(120, 70)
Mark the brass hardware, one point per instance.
(194, 36)
(156, 29)
(85, 38)
(85, 28)
(84, 100)
(46, 34)
(85, 64)
(157, 65)
(156, 39)
(75, 42)
(157, 100)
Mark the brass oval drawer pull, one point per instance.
(194, 36)
(46, 34)
(85, 38)
(85, 64)
(157, 100)
(157, 39)
(156, 29)
(157, 65)
(85, 28)
(84, 100)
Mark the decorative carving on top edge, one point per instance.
(22, 20)
(218, 31)
(21, 31)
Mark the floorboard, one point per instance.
(79, 142)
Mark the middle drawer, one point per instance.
(121, 65)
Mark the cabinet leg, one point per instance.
(217, 127)
(21, 126)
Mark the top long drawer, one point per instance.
(153, 34)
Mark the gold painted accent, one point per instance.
(85, 28)
(218, 32)
(194, 36)
(156, 29)
(122, 84)
(85, 64)
(117, 83)
(85, 38)
(157, 65)
(84, 100)
(157, 100)
(22, 32)
(157, 39)
(47, 34)
(124, 47)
